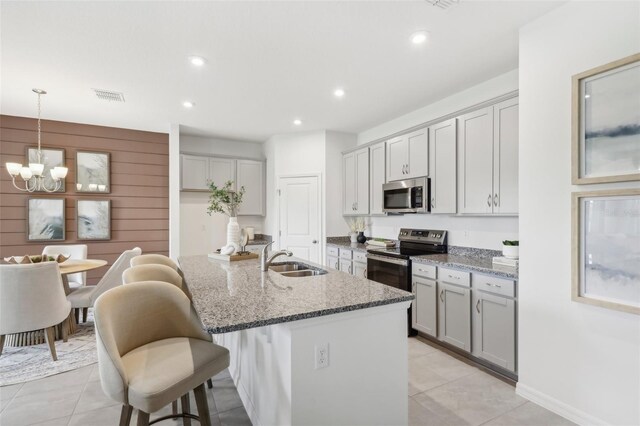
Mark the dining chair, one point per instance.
(84, 297)
(74, 251)
(32, 298)
(152, 350)
(151, 272)
(156, 259)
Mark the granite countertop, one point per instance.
(345, 242)
(237, 295)
(471, 263)
(260, 239)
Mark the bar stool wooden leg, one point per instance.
(186, 409)
(1, 343)
(64, 327)
(50, 337)
(203, 406)
(174, 408)
(125, 415)
(76, 313)
(209, 383)
(143, 418)
(85, 313)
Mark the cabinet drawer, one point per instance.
(333, 262)
(454, 277)
(359, 256)
(345, 254)
(345, 266)
(333, 251)
(494, 285)
(426, 271)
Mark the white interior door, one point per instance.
(300, 228)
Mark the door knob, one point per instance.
(315, 241)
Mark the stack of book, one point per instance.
(380, 242)
(505, 262)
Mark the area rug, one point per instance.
(28, 363)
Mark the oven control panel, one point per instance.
(423, 235)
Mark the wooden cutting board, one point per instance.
(234, 257)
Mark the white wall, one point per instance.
(480, 232)
(579, 360)
(174, 191)
(199, 232)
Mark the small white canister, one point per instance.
(250, 232)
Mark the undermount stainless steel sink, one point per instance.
(296, 269)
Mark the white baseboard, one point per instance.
(560, 408)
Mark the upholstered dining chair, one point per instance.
(84, 297)
(151, 272)
(152, 350)
(156, 259)
(32, 298)
(75, 251)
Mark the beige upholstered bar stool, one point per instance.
(155, 259)
(152, 350)
(151, 272)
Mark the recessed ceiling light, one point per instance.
(197, 61)
(297, 122)
(339, 93)
(419, 37)
(188, 104)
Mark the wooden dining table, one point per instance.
(71, 266)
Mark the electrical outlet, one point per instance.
(322, 356)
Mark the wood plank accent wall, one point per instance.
(139, 187)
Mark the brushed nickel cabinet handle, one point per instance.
(489, 201)
(441, 294)
(495, 200)
(433, 203)
(365, 273)
(478, 306)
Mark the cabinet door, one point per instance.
(345, 266)
(418, 157)
(222, 170)
(475, 162)
(505, 157)
(442, 166)
(494, 329)
(397, 158)
(251, 176)
(424, 306)
(349, 183)
(377, 177)
(194, 172)
(454, 322)
(332, 262)
(359, 269)
(362, 181)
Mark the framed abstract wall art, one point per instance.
(93, 219)
(606, 123)
(606, 249)
(45, 219)
(92, 172)
(51, 157)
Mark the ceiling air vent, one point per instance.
(442, 4)
(109, 95)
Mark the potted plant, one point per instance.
(510, 249)
(226, 200)
(357, 227)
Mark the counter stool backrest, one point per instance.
(152, 272)
(157, 259)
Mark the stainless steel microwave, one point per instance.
(406, 196)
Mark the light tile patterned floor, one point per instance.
(442, 391)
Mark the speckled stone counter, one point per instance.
(237, 295)
(260, 239)
(481, 264)
(345, 242)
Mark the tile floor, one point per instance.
(442, 391)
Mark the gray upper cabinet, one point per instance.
(442, 166)
(222, 170)
(377, 177)
(194, 173)
(408, 156)
(488, 160)
(250, 174)
(355, 172)
(454, 318)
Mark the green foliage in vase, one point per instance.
(511, 243)
(224, 199)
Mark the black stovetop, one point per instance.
(416, 242)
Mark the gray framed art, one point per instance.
(45, 219)
(606, 123)
(93, 172)
(51, 157)
(93, 219)
(606, 249)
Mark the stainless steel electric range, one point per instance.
(392, 266)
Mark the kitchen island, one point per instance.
(324, 349)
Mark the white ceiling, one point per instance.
(268, 62)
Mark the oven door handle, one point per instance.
(387, 259)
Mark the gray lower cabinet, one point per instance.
(345, 266)
(454, 318)
(359, 269)
(494, 334)
(424, 310)
(333, 262)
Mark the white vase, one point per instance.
(510, 252)
(354, 237)
(233, 233)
